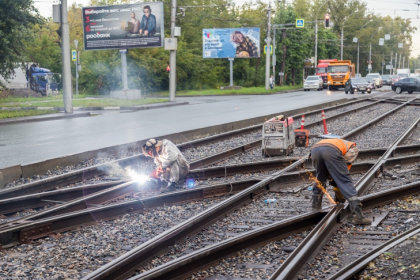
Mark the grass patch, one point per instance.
(24, 113)
(35, 99)
(249, 90)
(94, 102)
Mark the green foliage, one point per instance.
(242, 91)
(101, 70)
(24, 113)
(16, 18)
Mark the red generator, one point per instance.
(278, 137)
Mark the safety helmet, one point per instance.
(150, 146)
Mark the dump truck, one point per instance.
(339, 72)
(322, 70)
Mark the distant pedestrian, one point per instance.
(171, 164)
(271, 81)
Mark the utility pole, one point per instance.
(370, 58)
(283, 62)
(274, 55)
(396, 60)
(267, 56)
(399, 62)
(390, 69)
(172, 56)
(358, 44)
(77, 64)
(316, 45)
(65, 55)
(124, 68)
(403, 61)
(342, 39)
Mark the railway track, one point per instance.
(99, 212)
(138, 256)
(228, 140)
(59, 197)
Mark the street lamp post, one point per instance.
(77, 64)
(358, 45)
(370, 50)
(342, 32)
(316, 35)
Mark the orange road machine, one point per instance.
(278, 137)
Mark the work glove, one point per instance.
(154, 174)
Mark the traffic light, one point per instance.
(370, 62)
(168, 69)
(327, 20)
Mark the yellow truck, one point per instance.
(339, 72)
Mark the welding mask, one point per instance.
(149, 149)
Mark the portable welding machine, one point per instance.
(278, 137)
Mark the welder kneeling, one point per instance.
(332, 159)
(171, 164)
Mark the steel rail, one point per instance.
(371, 201)
(126, 264)
(184, 266)
(11, 205)
(317, 238)
(75, 176)
(103, 197)
(15, 204)
(14, 232)
(11, 233)
(243, 148)
(80, 175)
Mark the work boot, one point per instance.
(357, 215)
(170, 187)
(339, 198)
(316, 201)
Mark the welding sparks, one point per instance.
(139, 178)
(321, 187)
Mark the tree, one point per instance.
(17, 17)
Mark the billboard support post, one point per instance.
(172, 56)
(267, 58)
(65, 55)
(231, 72)
(124, 69)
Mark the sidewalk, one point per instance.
(136, 107)
(63, 115)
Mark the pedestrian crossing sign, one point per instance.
(265, 49)
(300, 22)
(73, 55)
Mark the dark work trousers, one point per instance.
(327, 160)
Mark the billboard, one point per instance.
(231, 42)
(123, 26)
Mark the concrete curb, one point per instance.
(271, 93)
(42, 118)
(138, 107)
(15, 172)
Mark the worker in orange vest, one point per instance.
(332, 159)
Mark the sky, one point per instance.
(402, 8)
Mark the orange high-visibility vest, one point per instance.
(339, 144)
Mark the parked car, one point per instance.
(387, 80)
(375, 78)
(358, 85)
(395, 78)
(313, 82)
(407, 84)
